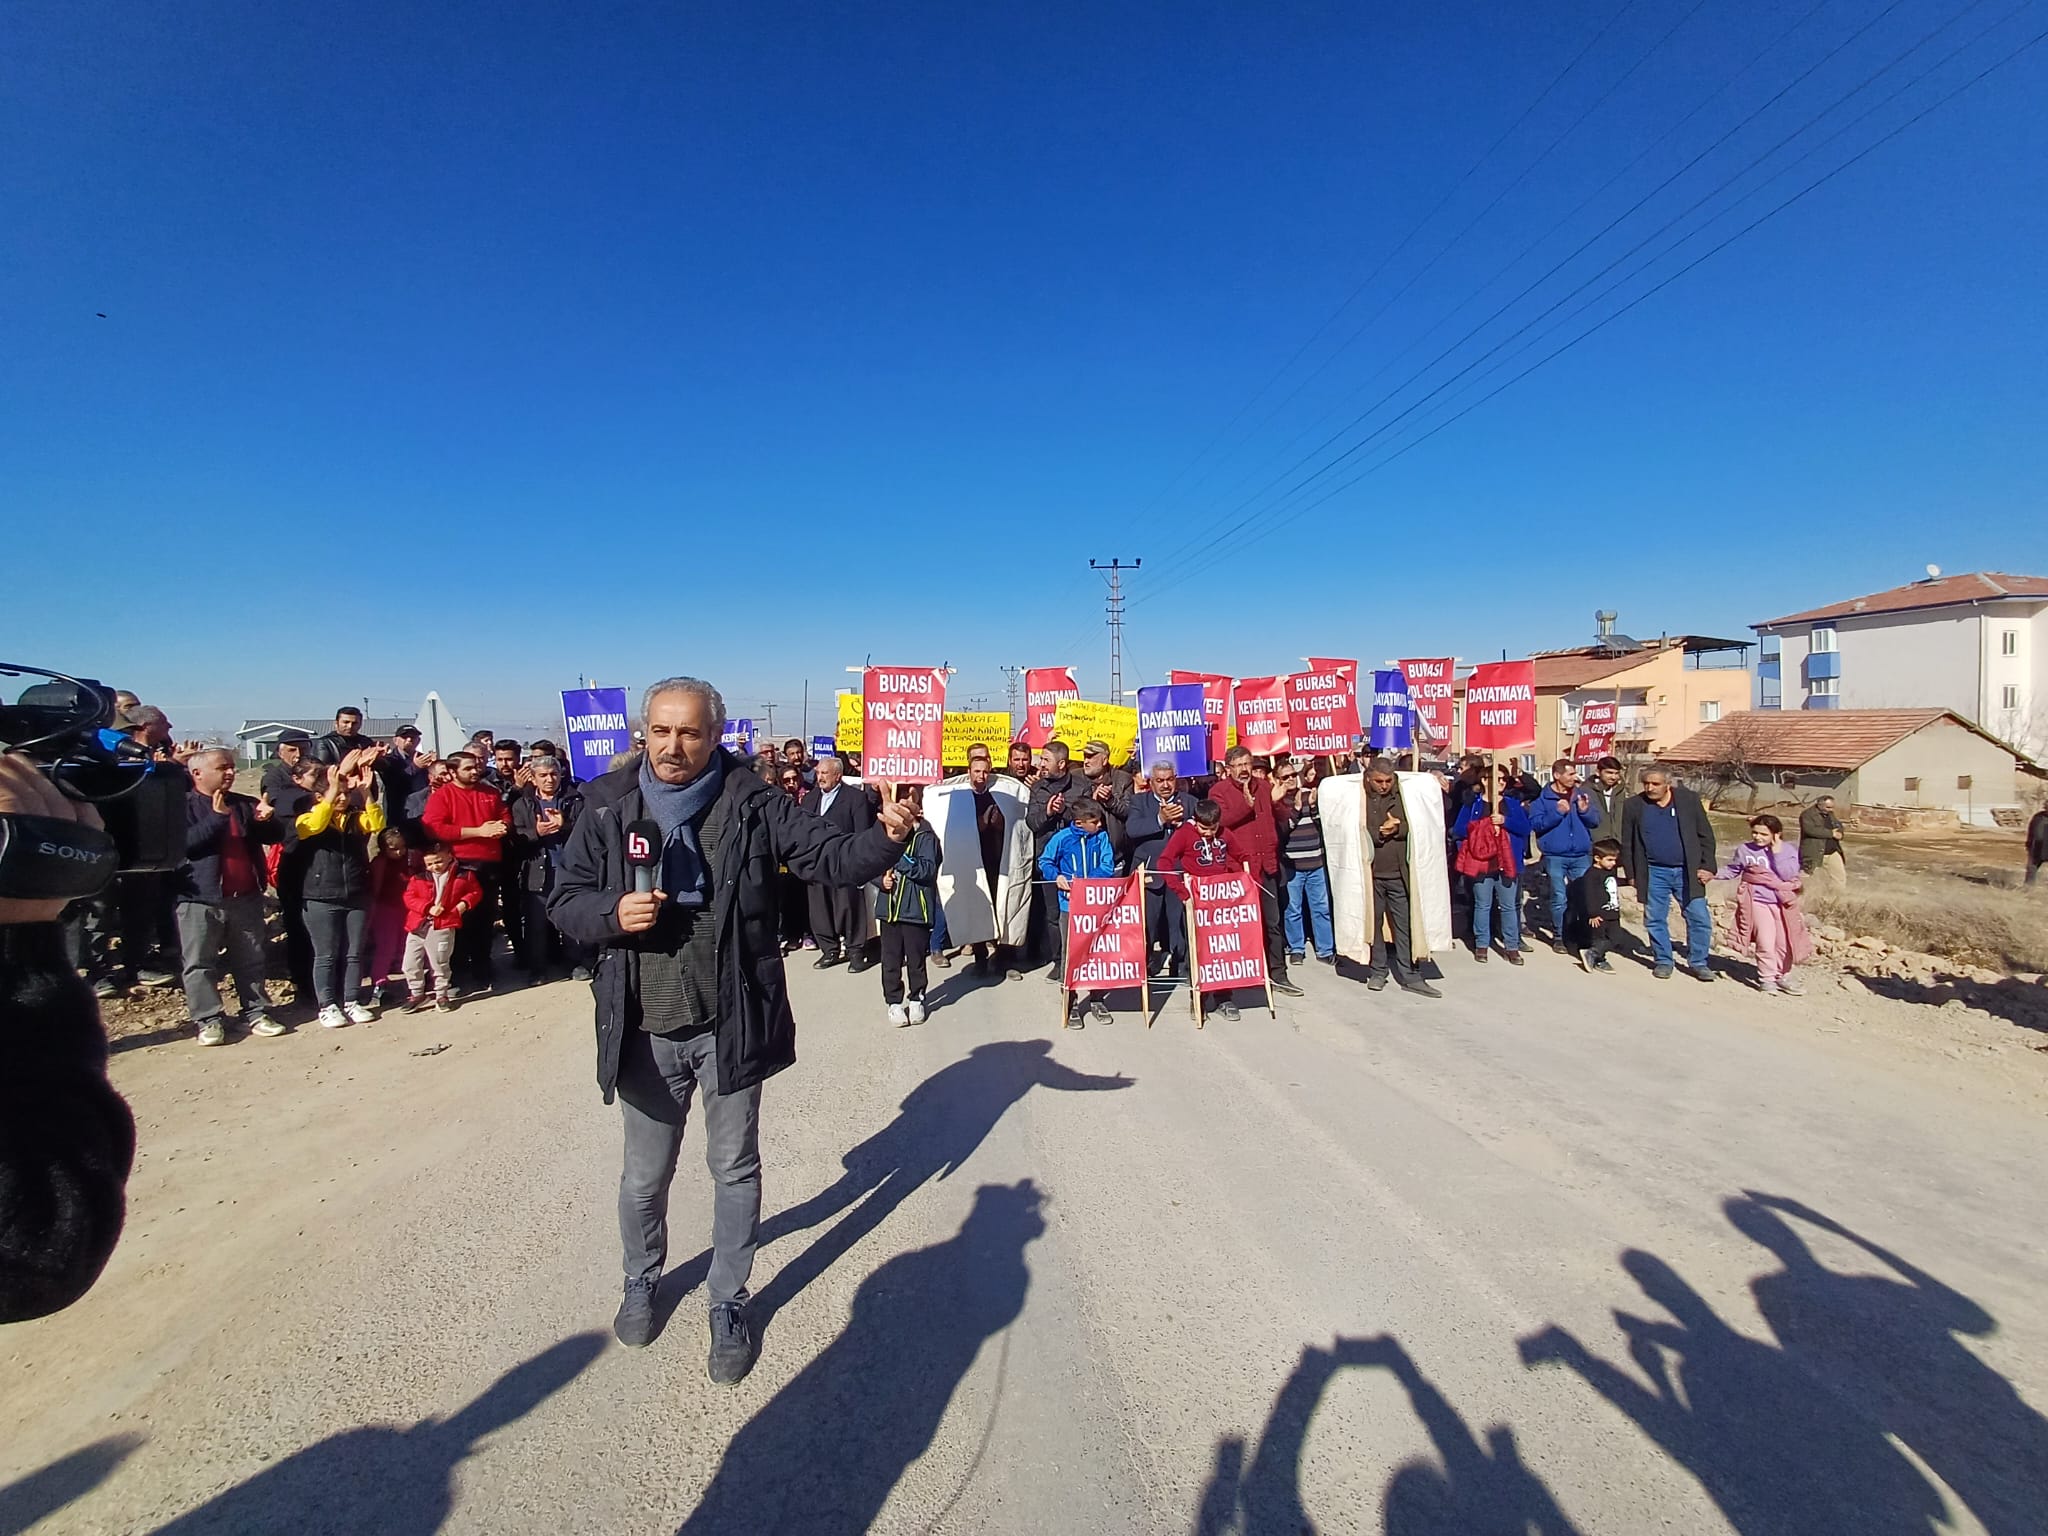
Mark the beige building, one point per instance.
(1665, 690)
(1916, 759)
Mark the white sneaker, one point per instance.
(261, 1023)
(915, 1007)
(358, 1014)
(897, 1015)
(213, 1032)
(332, 1017)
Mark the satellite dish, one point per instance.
(1933, 570)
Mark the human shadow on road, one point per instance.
(937, 1128)
(1802, 1436)
(824, 1453)
(393, 1481)
(1481, 1487)
(48, 1489)
(1892, 1346)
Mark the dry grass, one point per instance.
(1996, 927)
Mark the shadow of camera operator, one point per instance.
(1778, 1452)
(1893, 1347)
(1481, 1488)
(825, 1452)
(395, 1482)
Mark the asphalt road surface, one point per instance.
(1556, 1253)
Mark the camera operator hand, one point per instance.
(24, 791)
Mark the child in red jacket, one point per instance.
(389, 872)
(435, 903)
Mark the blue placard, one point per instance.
(738, 736)
(1173, 728)
(598, 729)
(1393, 724)
(824, 746)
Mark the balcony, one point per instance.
(1633, 723)
(1823, 664)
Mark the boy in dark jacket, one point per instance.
(1596, 906)
(910, 902)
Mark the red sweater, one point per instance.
(1259, 824)
(1181, 854)
(419, 900)
(454, 806)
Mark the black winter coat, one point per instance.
(207, 832)
(1695, 833)
(530, 849)
(763, 828)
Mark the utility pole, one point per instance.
(1013, 680)
(1115, 570)
(769, 711)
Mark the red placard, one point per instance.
(904, 712)
(1106, 933)
(1430, 681)
(1260, 707)
(1215, 707)
(1500, 706)
(1596, 732)
(1322, 709)
(1044, 687)
(1228, 946)
(1334, 664)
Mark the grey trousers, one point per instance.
(204, 929)
(658, 1076)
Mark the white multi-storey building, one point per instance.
(1976, 644)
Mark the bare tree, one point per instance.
(1742, 755)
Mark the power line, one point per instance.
(1301, 485)
(1763, 218)
(1516, 260)
(1373, 276)
(1446, 248)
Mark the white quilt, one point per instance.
(1349, 847)
(963, 891)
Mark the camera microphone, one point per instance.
(643, 853)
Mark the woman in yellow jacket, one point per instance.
(335, 818)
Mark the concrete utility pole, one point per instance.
(1115, 604)
(1013, 681)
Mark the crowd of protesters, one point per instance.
(405, 879)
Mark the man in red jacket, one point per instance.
(469, 816)
(1256, 815)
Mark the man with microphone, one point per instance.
(671, 876)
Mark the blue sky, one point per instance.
(477, 346)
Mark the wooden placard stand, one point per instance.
(1144, 961)
(1195, 970)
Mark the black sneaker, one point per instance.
(732, 1345)
(1098, 1011)
(1559, 947)
(153, 976)
(1420, 988)
(581, 973)
(827, 958)
(1227, 1010)
(1285, 987)
(103, 987)
(1377, 982)
(634, 1325)
(1600, 965)
(858, 964)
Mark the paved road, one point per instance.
(1471, 1266)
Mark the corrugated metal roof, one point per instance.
(1935, 592)
(1844, 739)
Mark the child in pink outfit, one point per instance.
(1767, 918)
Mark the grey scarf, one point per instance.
(678, 809)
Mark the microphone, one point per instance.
(643, 853)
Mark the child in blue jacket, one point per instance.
(1081, 850)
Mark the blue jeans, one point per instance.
(1665, 886)
(1309, 888)
(939, 944)
(1486, 891)
(1564, 869)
